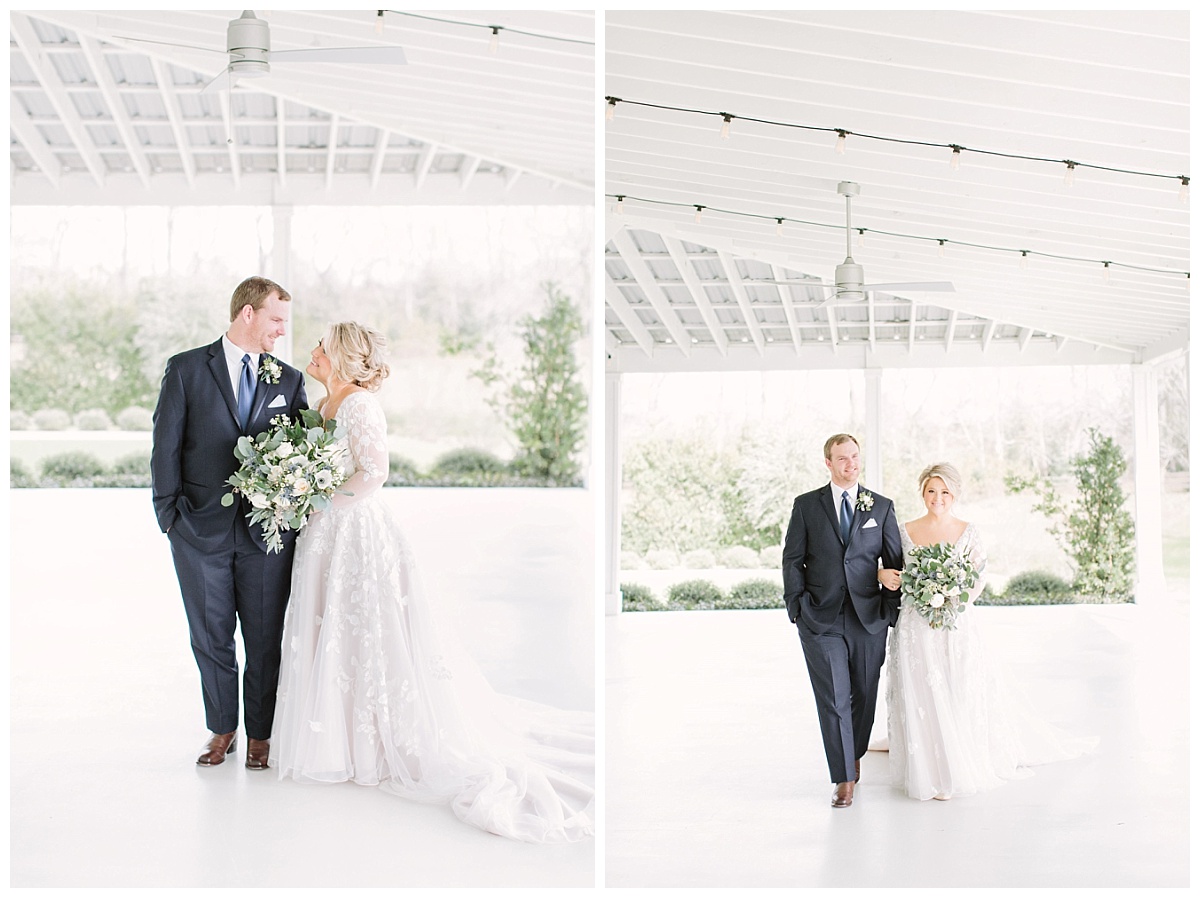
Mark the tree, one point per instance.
(544, 402)
(1095, 529)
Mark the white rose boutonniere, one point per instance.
(269, 370)
(865, 501)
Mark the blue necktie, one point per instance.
(847, 516)
(245, 391)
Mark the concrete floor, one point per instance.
(715, 774)
(106, 717)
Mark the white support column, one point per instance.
(612, 494)
(281, 261)
(874, 435)
(1149, 579)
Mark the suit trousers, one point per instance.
(236, 583)
(843, 665)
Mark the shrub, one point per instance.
(1038, 584)
(51, 419)
(757, 593)
(401, 471)
(771, 557)
(738, 557)
(632, 561)
(19, 477)
(93, 419)
(18, 420)
(135, 418)
(636, 597)
(133, 463)
(467, 461)
(703, 595)
(662, 559)
(68, 468)
(698, 559)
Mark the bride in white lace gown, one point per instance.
(372, 690)
(954, 726)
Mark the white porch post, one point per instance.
(281, 265)
(612, 494)
(1149, 580)
(874, 435)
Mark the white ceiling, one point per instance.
(99, 118)
(1101, 88)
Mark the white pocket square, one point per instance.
(277, 402)
(870, 523)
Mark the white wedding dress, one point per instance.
(372, 690)
(954, 726)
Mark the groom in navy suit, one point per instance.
(210, 397)
(835, 542)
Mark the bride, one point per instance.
(953, 726)
(371, 689)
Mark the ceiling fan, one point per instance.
(848, 286)
(248, 46)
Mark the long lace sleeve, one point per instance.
(978, 556)
(366, 430)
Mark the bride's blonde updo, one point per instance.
(949, 475)
(356, 354)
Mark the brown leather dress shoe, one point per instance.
(257, 753)
(220, 745)
(843, 795)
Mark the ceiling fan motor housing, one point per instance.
(848, 279)
(248, 40)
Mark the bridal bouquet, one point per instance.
(288, 472)
(938, 580)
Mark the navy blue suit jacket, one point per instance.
(195, 430)
(819, 573)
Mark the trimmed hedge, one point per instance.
(636, 597)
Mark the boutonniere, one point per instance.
(865, 501)
(269, 370)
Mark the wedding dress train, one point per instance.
(955, 727)
(372, 690)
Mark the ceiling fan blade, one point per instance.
(143, 40)
(223, 81)
(359, 55)
(930, 287)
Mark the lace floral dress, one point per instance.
(373, 691)
(954, 726)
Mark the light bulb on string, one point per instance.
(862, 237)
(1105, 272)
(611, 111)
(1069, 178)
(494, 43)
(779, 227)
(1024, 259)
(699, 213)
(1183, 189)
(840, 146)
(955, 156)
(379, 21)
(620, 207)
(725, 127)
(941, 249)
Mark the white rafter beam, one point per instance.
(1023, 337)
(738, 286)
(27, 40)
(94, 53)
(470, 167)
(831, 319)
(511, 178)
(331, 151)
(280, 142)
(629, 317)
(703, 303)
(378, 155)
(789, 310)
(166, 89)
(912, 326)
(950, 326)
(424, 163)
(989, 331)
(654, 293)
(33, 142)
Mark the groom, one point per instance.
(837, 537)
(210, 397)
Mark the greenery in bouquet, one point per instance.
(938, 581)
(287, 472)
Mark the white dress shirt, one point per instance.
(233, 359)
(837, 498)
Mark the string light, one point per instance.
(379, 21)
(1104, 273)
(956, 150)
(779, 227)
(699, 212)
(1069, 178)
(725, 127)
(1183, 188)
(862, 237)
(611, 109)
(1024, 258)
(942, 242)
(620, 209)
(492, 28)
(494, 43)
